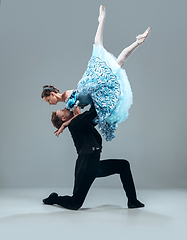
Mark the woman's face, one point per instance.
(51, 99)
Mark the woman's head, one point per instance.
(49, 94)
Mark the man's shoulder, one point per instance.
(83, 120)
(74, 125)
(74, 121)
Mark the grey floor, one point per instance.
(104, 215)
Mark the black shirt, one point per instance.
(86, 138)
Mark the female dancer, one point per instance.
(104, 83)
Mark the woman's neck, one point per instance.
(60, 97)
(65, 95)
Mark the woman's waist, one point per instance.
(83, 98)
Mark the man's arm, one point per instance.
(85, 118)
(80, 120)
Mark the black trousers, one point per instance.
(88, 167)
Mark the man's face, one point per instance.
(64, 114)
(51, 99)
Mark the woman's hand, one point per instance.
(65, 124)
(60, 130)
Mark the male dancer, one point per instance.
(88, 144)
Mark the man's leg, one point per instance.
(85, 172)
(121, 167)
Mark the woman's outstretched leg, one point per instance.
(129, 50)
(99, 33)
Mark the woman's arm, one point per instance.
(65, 124)
(77, 111)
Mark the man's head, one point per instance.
(61, 116)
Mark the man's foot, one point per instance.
(52, 199)
(135, 204)
(102, 14)
(142, 37)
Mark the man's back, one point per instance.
(86, 138)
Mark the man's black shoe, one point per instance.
(135, 204)
(52, 199)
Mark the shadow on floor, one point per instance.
(101, 214)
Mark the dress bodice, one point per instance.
(76, 98)
(84, 99)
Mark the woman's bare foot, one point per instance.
(102, 14)
(142, 37)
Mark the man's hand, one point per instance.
(60, 130)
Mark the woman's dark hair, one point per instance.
(47, 89)
(56, 121)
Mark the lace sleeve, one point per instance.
(71, 101)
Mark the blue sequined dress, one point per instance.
(105, 84)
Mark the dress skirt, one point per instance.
(107, 85)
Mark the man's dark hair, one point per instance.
(56, 121)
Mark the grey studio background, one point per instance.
(50, 42)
